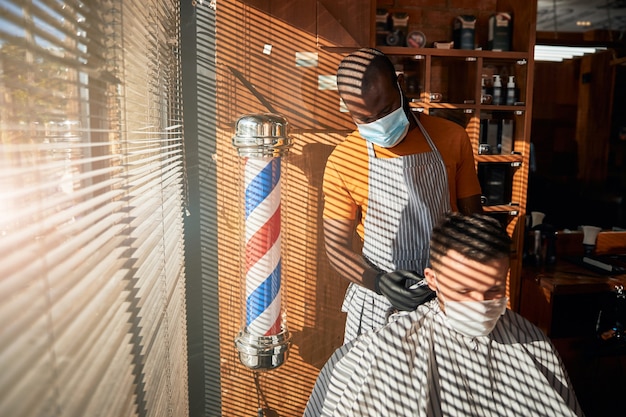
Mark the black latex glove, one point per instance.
(405, 290)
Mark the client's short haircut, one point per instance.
(477, 237)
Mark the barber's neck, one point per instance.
(412, 116)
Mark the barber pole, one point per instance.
(261, 140)
(263, 258)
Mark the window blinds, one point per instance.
(92, 302)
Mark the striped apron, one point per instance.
(407, 197)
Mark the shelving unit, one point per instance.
(448, 83)
(425, 71)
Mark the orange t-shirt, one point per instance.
(346, 178)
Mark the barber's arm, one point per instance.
(338, 239)
(467, 183)
(470, 204)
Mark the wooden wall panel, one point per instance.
(251, 78)
(345, 22)
(595, 104)
(554, 117)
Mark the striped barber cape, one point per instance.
(418, 366)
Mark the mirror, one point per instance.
(577, 171)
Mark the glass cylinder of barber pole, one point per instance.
(261, 141)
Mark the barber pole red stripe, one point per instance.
(263, 256)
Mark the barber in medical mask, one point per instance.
(390, 181)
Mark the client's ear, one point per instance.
(430, 278)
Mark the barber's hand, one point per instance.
(405, 290)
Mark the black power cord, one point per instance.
(259, 396)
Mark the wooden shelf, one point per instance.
(510, 209)
(465, 106)
(459, 53)
(514, 159)
(469, 54)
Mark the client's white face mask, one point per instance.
(474, 318)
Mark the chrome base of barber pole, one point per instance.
(263, 352)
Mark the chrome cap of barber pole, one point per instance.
(262, 135)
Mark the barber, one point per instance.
(390, 181)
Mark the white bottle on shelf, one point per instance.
(483, 91)
(497, 90)
(510, 91)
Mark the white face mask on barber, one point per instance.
(387, 131)
(474, 318)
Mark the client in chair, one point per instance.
(462, 353)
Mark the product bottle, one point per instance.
(510, 91)
(497, 90)
(483, 91)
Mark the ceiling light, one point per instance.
(559, 53)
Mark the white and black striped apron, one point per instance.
(407, 197)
